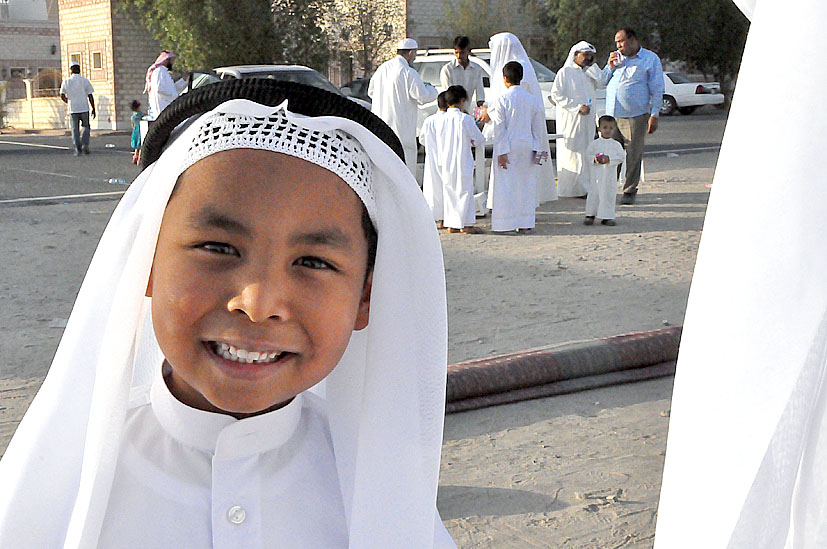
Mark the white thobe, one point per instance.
(458, 133)
(395, 91)
(432, 176)
(189, 478)
(519, 124)
(162, 90)
(470, 78)
(601, 179)
(573, 88)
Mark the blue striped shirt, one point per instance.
(635, 87)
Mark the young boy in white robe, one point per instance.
(432, 178)
(270, 398)
(519, 124)
(605, 155)
(458, 133)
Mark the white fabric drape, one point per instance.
(745, 465)
(385, 403)
(506, 47)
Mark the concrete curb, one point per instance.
(561, 369)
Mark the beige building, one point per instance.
(29, 46)
(114, 53)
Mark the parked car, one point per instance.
(429, 63)
(357, 88)
(684, 96)
(289, 73)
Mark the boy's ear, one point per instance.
(363, 314)
(148, 292)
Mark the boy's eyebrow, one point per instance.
(208, 217)
(332, 237)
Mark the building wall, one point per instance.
(135, 50)
(520, 17)
(40, 113)
(86, 35)
(29, 40)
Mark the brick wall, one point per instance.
(424, 19)
(27, 45)
(40, 113)
(86, 33)
(135, 50)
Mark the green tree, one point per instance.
(303, 40)
(368, 28)
(708, 35)
(210, 33)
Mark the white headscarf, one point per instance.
(746, 461)
(385, 399)
(506, 47)
(580, 46)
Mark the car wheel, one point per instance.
(669, 105)
(686, 110)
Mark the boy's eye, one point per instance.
(219, 248)
(313, 263)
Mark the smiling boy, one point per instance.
(288, 389)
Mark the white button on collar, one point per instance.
(236, 514)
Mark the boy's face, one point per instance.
(606, 129)
(258, 279)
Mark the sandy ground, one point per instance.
(576, 471)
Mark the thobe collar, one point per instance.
(455, 63)
(220, 434)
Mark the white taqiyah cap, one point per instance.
(407, 44)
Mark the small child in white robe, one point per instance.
(432, 179)
(605, 154)
(297, 338)
(458, 133)
(519, 124)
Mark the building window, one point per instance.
(97, 58)
(17, 73)
(4, 9)
(97, 61)
(47, 83)
(75, 58)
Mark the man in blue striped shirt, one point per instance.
(634, 95)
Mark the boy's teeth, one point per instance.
(243, 356)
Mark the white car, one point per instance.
(288, 73)
(429, 63)
(684, 96)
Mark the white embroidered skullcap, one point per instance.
(407, 44)
(334, 150)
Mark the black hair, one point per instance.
(513, 72)
(462, 42)
(135, 105)
(606, 118)
(454, 95)
(629, 32)
(75, 69)
(306, 100)
(441, 103)
(403, 53)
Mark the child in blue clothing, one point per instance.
(137, 115)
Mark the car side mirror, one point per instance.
(346, 91)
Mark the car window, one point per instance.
(677, 78)
(544, 74)
(310, 78)
(202, 79)
(429, 72)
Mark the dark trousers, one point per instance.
(81, 140)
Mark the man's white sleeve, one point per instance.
(420, 91)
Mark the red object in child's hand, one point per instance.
(601, 158)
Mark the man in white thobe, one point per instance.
(160, 86)
(574, 93)
(396, 91)
(519, 126)
(460, 71)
